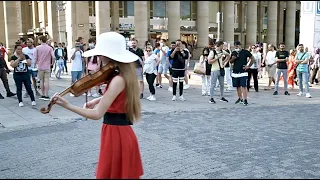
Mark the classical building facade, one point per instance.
(64, 21)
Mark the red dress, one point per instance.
(119, 150)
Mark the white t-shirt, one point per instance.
(271, 57)
(77, 63)
(30, 53)
(163, 57)
(150, 64)
(257, 60)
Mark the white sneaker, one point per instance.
(181, 98)
(300, 94)
(149, 97)
(89, 94)
(21, 104)
(170, 89)
(174, 98)
(308, 95)
(95, 95)
(152, 98)
(33, 103)
(187, 86)
(71, 95)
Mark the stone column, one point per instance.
(10, 21)
(242, 22)
(41, 12)
(52, 21)
(35, 15)
(202, 23)
(272, 22)
(22, 15)
(260, 20)
(115, 16)
(220, 9)
(173, 12)
(280, 22)
(228, 22)
(2, 24)
(77, 22)
(252, 23)
(141, 25)
(290, 24)
(102, 17)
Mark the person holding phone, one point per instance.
(20, 63)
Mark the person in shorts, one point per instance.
(239, 59)
(164, 63)
(172, 46)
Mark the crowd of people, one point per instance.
(34, 67)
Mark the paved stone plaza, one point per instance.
(273, 137)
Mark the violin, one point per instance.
(87, 82)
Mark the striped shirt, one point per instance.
(42, 56)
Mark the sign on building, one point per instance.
(307, 7)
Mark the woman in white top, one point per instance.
(315, 67)
(271, 64)
(150, 68)
(254, 69)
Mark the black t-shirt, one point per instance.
(282, 55)
(138, 52)
(22, 67)
(179, 61)
(228, 64)
(240, 61)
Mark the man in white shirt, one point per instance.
(30, 50)
(77, 63)
(164, 62)
(271, 64)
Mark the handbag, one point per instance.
(222, 71)
(199, 68)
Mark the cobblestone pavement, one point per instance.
(273, 137)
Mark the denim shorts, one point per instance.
(33, 74)
(239, 81)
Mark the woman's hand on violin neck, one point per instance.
(57, 99)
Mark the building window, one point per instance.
(92, 8)
(128, 8)
(265, 16)
(159, 9)
(185, 10)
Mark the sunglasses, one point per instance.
(148, 50)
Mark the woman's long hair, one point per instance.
(133, 106)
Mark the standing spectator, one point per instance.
(292, 67)
(59, 54)
(150, 68)
(239, 58)
(315, 67)
(3, 50)
(93, 66)
(139, 63)
(77, 64)
(20, 63)
(44, 57)
(163, 66)
(271, 64)
(81, 45)
(227, 69)
(4, 70)
(282, 57)
(254, 69)
(30, 51)
(302, 60)
(179, 56)
(65, 59)
(170, 61)
(206, 77)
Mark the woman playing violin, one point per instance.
(119, 106)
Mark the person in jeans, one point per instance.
(215, 59)
(150, 68)
(254, 69)
(77, 64)
(59, 54)
(227, 68)
(282, 57)
(44, 59)
(315, 67)
(65, 59)
(206, 77)
(20, 63)
(302, 60)
(4, 70)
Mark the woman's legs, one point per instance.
(18, 80)
(27, 84)
(150, 80)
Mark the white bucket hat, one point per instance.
(112, 45)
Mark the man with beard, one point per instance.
(282, 56)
